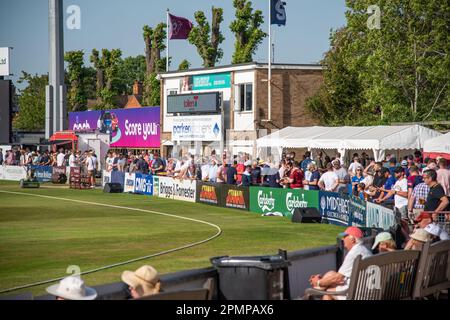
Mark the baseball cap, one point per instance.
(404, 163)
(382, 236)
(352, 231)
(433, 229)
(422, 215)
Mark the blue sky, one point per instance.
(118, 24)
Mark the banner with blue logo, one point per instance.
(129, 182)
(335, 208)
(278, 12)
(143, 184)
(43, 173)
(357, 212)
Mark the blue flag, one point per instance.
(278, 12)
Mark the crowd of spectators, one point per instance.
(409, 185)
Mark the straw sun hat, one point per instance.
(144, 280)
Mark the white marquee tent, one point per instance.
(439, 146)
(375, 138)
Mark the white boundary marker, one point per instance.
(190, 245)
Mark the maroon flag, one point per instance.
(180, 27)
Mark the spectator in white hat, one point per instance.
(72, 288)
(384, 242)
(142, 282)
(436, 232)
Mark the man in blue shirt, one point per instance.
(388, 184)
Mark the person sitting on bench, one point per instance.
(142, 282)
(339, 281)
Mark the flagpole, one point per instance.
(167, 40)
(269, 81)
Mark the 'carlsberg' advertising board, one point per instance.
(335, 208)
(281, 202)
(143, 184)
(170, 188)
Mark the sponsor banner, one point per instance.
(170, 188)
(143, 184)
(197, 128)
(184, 190)
(194, 103)
(129, 128)
(357, 212)
(106, 177)
(118, 177)
(15, 173)
(281, 202)
(165, 187)
(379, 216)
(211, 81)
(129, 182)
(209, 193)
(43, 173)
(156, 186)
(335, 208)
(57, 172)
(235, 197)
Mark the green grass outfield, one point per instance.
(41, 237)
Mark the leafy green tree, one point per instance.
(208, 38)
(130, 70)
(31, 114)
(400, 71)
(108, 82)
(76, 97)
(154, 44)
(99, 69)
(247, 28)
(184, 65)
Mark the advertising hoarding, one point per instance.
(129, 128)
(194, 103)
(281, 202)
(197, 128)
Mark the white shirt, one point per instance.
(212, 175)
(94, 160)
(109, 162)
(72, 161)
(90, 163)
(401, 185)
(308, 175)
(329, 178)
(355, 165)
(368, 180)
(60, 159)
(347, 265)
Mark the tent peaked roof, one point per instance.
(348, 137)
(439, 144)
